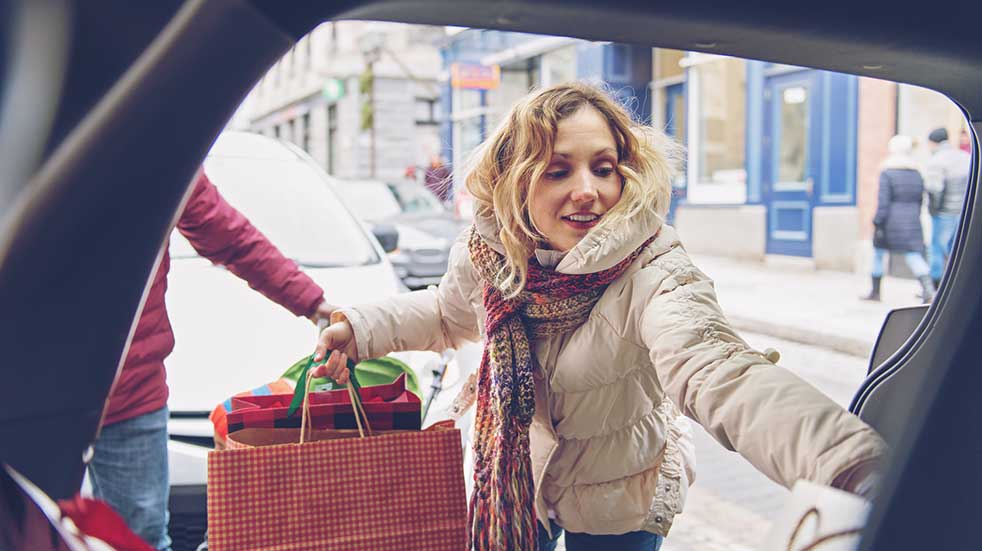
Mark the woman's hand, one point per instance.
(340, 339)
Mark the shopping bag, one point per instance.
(818, 518)
(356, 489)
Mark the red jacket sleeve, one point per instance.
(224, 235)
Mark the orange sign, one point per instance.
(474, 77)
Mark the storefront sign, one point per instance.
(474, 77)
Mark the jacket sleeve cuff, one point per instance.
(860, 479)
(307, 303)
(872, 455)
(363, 338)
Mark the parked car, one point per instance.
(426, 228)
(230, 338)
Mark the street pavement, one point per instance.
(819, 307)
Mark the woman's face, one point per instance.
(581, 182)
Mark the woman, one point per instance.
(897, 223)
(597, 330)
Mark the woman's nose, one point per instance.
(585, 190)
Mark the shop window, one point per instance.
(792, 163)
(620, 62)
(717, 130)
(426, 111)
(305, 132)
(667, 64)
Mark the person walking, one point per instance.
(946, 180)
(897, 223)
(439, 179)
(964, 141)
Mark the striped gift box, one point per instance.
(219, 415)
(389, 407)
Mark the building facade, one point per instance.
(787, 156)
(797, 169)
(771, 150)
(360, 97)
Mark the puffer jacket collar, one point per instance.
(601, 249)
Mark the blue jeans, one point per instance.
(631, 541)
(914, 261)
(129, 472)
(943, 228)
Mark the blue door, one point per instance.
(791, 160)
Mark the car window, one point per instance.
(370, 200)
(293, 206)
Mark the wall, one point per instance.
(877, 124)
(395, 122)
(734, 231)
(834, 243)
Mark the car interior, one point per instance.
(108, 107)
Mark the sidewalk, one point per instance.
(816, 307)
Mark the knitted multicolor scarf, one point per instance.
(502, 507)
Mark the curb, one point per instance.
(854, 346)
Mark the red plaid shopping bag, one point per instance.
(343, 490)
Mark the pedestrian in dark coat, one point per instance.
(897, 223)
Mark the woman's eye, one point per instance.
(557, 174)
(603, 172)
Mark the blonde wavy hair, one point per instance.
(504, 169)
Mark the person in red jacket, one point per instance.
(129, 467)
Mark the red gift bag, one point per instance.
(390, 406)
(219, 415)
(340, 489)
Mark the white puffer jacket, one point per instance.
(610, 452)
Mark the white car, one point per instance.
(229, 338)
(426, 228)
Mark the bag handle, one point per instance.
(820, 541)
(301, 390)
(302, 393)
